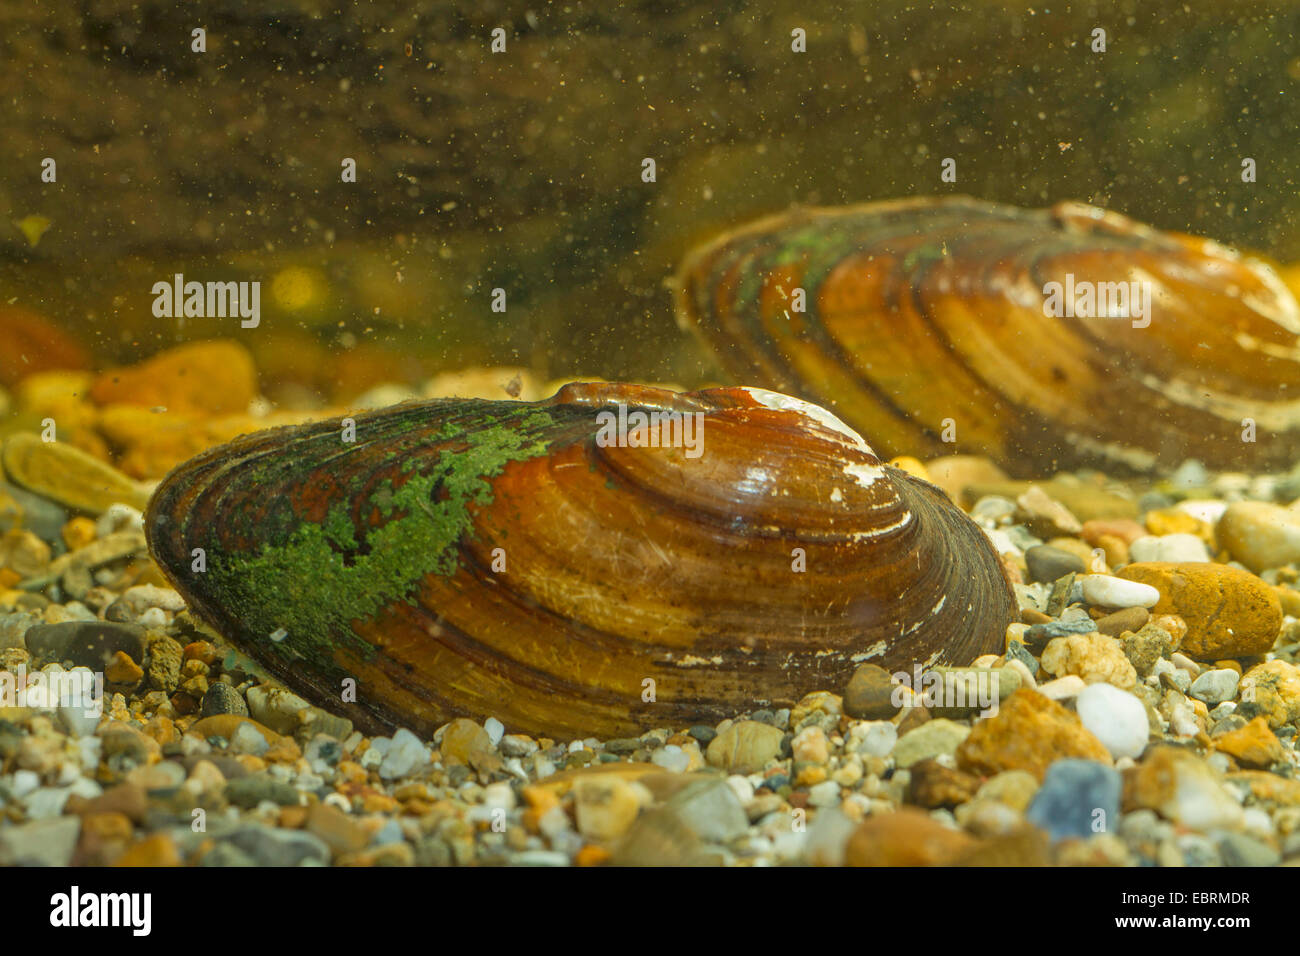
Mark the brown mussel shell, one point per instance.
(924, 327)
(494, 558)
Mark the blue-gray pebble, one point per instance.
(1073, 792)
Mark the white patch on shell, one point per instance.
(902, 522)
(691, 660)
(875, 650)
(933, 611)
(863, 474)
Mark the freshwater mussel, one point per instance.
(570, 567)
(1041, 338)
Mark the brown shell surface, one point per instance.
(926, 316)
(480, 558)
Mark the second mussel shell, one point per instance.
(493, 558)
(942, 325)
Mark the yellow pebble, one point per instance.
(911, 465)
(78, 532)
(1173, 521)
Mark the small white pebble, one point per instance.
(742, 788)
(671, 758)
(1102, 590)
(1116, 718)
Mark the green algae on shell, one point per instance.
(494, 558)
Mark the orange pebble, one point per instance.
(592, 855)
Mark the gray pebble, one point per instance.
(272, 846)
(40, 842)
(221, 698)
(1047, 563)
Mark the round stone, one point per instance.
(1046, 563)
(1116, 718)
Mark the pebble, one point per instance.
(1102, 590)
(1125, 529)
(406, 755)
(704, 811)
(810, 745)
(1118, 622)
(994, 508)
(745, 747)
(1215, 686)
(931, 739)
(605, 806)
(1093, 657)
(1169, 547)
(221, 698)
(1078, 798)
(824, 794)
(1147, 646)
(464, 742)
(1272, 690)
(672, 758)
(1116, 718)
(274, 846)
(247, 739)
(1029, 732)
(250, 791)
(1240, 849)
(1011, 788)
(66, 474)
(1260, 535)
(1063, 688)
(14, 627)
(92, 644)
(40, 842)
(122, 670)
(275, 707)
(1046, 563)
(875, 738)
(932, 785)
(1038, 636)
(41, 516)
(906, 837)
(1181, 787)
(1229, 612)
(1044, 515)
(820, 707)
(23, 553)
(870, 693)
(1253, 744)
(519, 745)
(163, 662)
